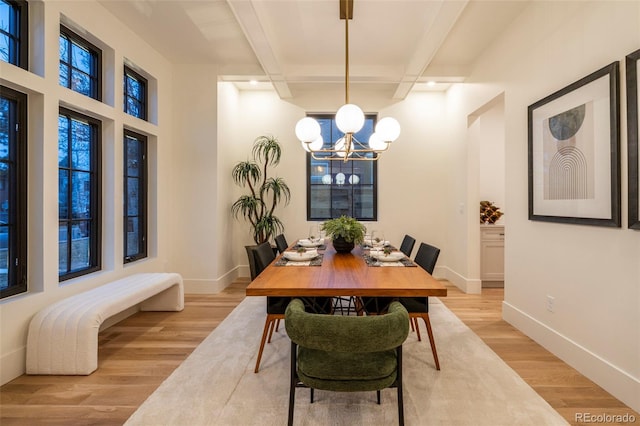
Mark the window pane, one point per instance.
(133, 231)
(133, 87)
(320, 201)
(81, 195)
(132, 196)
(80, 245)
(4, 256)
(133, 154)
(363, 204)
(63, 145)
(81, 59)
(5, 185)
(63, 188)
(80, 82)
(4, 129)
(80, 145)
(63, 80)
(4, 48)
(5, 16)
(63, 250)
(63, 49)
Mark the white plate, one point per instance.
(394, 256)
(309, 243)
(374, 243)
(294, 255)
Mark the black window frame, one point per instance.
(95, 224)
(142, 176)
(19, 34)
(17, 217)
(142, 102)
(96, 64)
(334, 187)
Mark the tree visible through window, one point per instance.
(135, 94)
(78, 194)
(80, 64)
(336, 188)
(135, 191)
(14, 24)
(13, 192)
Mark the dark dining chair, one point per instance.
(346, 353)
(407, 245)
(281, 243)
(418, 307)
(276, 306)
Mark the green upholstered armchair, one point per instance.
(346, 353)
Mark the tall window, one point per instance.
(135, 202)
(80, 64)
(135, 94)
(336, 188)
(78, 194)
(13, 192)
(14, 30)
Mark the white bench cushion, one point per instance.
(63, 337)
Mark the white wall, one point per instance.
(592, 272)
(412, 191)
(45, 97)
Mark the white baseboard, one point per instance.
(13, 365)
(212, 286)
(467, 285)
(617, 382)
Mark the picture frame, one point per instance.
(633, 152)
(574, 152)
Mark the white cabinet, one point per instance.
(492, 255)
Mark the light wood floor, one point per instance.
(137, 354)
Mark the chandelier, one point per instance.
(349, 120)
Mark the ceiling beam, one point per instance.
(249, 21)
(427, 47)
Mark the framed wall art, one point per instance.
(574, 152)
(633, 85)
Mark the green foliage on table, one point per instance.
(346, 227)
(265, 193)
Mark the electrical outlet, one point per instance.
(551, 303)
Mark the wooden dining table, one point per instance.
(345, 274)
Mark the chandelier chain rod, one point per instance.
(346, 55)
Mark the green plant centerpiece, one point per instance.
(345, 232)
(265, 193)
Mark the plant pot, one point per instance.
(342, 246)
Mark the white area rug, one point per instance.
(216, 385)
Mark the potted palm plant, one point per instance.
(345, 232)
(265, 193)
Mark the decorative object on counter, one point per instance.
(265, 193)
(345, 232)
(489, 213)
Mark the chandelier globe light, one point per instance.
(349, 119)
